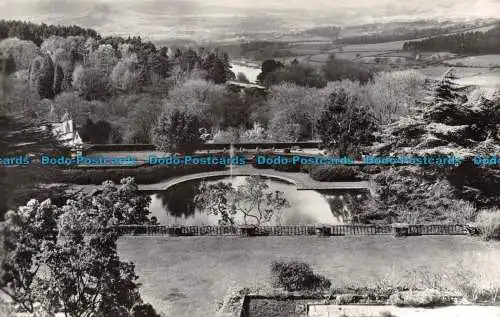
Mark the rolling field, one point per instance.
(187, 276)
(377, 47)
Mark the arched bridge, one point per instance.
(301, 180)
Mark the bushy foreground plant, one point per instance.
(297, 276)
(420, 298)
(488, 223)
(65, 259)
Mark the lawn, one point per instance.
(186, 276)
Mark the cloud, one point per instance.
(170, 7)
(180, 17)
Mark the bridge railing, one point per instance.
(294, 230)
(205, 146)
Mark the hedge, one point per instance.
(143, 174)
(333, 173)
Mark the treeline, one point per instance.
(258, 50)
(302, 74)
(460, 43)
(36, 33)
(113, 87)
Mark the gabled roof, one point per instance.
(66, 117)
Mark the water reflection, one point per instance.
(346, 204)
(175, 206)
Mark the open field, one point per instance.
(476, 61)
(377, 47)
(186, 276)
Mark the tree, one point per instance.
(104, 58)
(66, 62)
(217, 65)
(23, 52)
(25, 234)
(449, 125)
(241, 77)
(177, 131)
(338, 69)
(37, 33)
(161, 63)
(126, 75)
(91, 83)
(448, 90)
(344, 126)
(10, 65)
(231, 111)
(76, 246)
(143, 310)
(253, 201)
(284, 128)
(395, 94)
(294, 111)
(70, 102)
(196, 96)
(300, 74)
(96, 133)
(187, 59)
(85, 276)
(142, 118)
(41, 76)
(268, 67)
(58, 79)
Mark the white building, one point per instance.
(65, 132)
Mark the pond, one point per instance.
(307, 207)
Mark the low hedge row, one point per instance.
(334, 173)
(143, 174)
(323, 173)
(293, 168)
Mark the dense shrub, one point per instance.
(423, 298)
(333, 173)
(488, 223)
(346, 127)
(416, 195)
(142, 175)
(278, 167)
(372, 169)
(343, 299)
(143, 310)
(294, 168)
(296, 276)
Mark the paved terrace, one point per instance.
(301, 180)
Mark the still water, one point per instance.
(307, 207)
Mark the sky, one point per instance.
(159, 19)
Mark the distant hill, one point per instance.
(218, 20)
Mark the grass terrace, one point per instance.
(188, 276)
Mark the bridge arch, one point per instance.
(215, 174)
